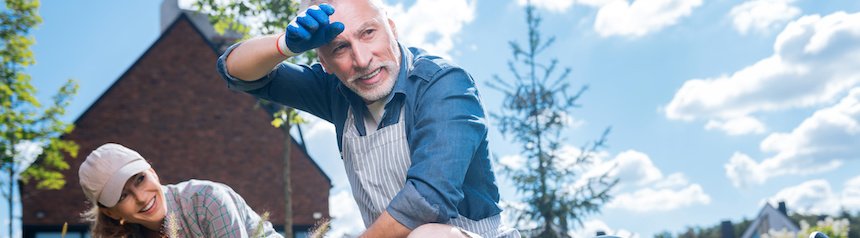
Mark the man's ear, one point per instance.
(393, 27)
(322, 61)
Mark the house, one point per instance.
(175, 110)
(771, 219)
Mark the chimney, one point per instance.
(727, 230)
(169, 11)
(782, 208)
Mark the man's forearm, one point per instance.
(385, 226)
(254, 58)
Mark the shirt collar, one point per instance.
(173, 213)
(406, 58)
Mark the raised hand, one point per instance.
(312, 29)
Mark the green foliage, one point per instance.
(709, 232)
(534, 112)
(275, 15)
(853, 223)
(22, 118)
(848, 226)
(833, 228)
(229, 16)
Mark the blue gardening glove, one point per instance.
(311, 29)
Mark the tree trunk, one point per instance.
(11, 195)
(288, 203)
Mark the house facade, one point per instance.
(174, 109)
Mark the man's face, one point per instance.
(365, 57)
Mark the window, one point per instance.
(59, 235)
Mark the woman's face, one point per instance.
(141, 202)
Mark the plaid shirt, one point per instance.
(199, 208)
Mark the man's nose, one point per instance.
(361, 57)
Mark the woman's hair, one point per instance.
(102, 225)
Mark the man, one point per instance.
(411, 128)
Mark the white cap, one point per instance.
(104, 173)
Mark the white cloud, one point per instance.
(25, 154)
(820, 143)
(810, 197)
(569, 154)
(642, 187)
(744, 171)
(591, 227)
(762, 15)
(626, 18)
(318, 128)
(672, 181)
(664, 199)
(851, 193)
(421, 24)
(815, 61)
(557, 6)
(513, 161)
(186, 4)
(737, 126)
(636, 19)
(346, 219)
(635, 168)
(321, 142)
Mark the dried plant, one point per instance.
(321, 228)
(260, 225)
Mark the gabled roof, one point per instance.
(769, 218)
(172, 107)
(196, 21)
(148, 51)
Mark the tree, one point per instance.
(534, 113)
(276, 14)
(23, 121)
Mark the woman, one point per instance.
(129, 201)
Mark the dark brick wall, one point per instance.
(173, 108)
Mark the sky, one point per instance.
(716, 107)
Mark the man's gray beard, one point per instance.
(382, 90)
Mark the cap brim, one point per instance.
(113, 188)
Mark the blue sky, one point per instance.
(716, 106)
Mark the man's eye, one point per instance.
(369, 32)
(122, 196)
(339, 48)
(140, 179)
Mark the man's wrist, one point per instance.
(281, 46)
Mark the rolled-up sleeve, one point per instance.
(307, 88)
(450, 125)
(233, 82)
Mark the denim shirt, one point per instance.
(446, 130)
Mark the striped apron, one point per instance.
(376, 167)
